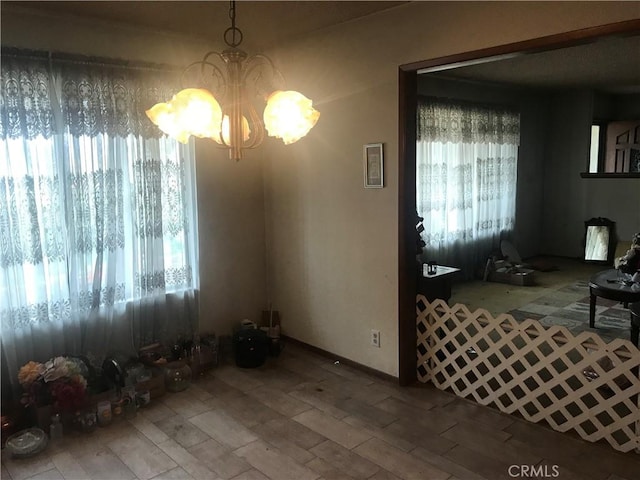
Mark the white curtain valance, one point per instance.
(92, 98)
(442, 120)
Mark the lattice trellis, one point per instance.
(579, 383)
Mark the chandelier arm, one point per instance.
(258, 61)
(216, 73)
(225, 113)
(223, 146)
(260, 57)
(258, 132)
(222, 142)
(208, 54)
(256, 121)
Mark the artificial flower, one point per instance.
(30, 372)
(55, 369)
(59, 382)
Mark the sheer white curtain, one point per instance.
(98, 220)
(466, 174)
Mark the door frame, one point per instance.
(407, 89)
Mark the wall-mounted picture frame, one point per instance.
(373, 165)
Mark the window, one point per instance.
(92, 218)
(594, 153)
(98, 221)
(466, 176)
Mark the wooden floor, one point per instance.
(301, 416)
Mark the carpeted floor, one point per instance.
(558, 297)
(569, 307)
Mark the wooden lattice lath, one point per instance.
(579, 383)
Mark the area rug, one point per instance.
(569, 307)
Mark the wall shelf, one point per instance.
(610, 175)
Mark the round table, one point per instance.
(609, 284)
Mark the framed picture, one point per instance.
(373, 166)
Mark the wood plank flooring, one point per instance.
(303, 417)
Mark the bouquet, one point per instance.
(630, 262)
(60, 382)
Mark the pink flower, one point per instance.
(67, 395)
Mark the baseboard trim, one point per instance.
(350, 363)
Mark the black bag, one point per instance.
(251, 346)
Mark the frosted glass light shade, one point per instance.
(289, 115)
(192, 111)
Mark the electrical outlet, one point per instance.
(375, 338)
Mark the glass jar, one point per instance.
(145, 376)
(133, 372)
(104, 413)
(8, 428)
(56, 430)
(116, 408)
(129, 406)
(143, 398)
(177, 376)
(87, 421)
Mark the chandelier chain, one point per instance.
(233, 35)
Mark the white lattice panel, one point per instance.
(579, 383)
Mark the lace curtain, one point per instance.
(466, 176)
(98, 226)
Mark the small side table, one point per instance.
(437, 285)
(606, 284)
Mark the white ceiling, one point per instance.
(263, 23)
(611, 65)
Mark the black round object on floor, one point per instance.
(251, 347)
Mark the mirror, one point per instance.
(599, 240)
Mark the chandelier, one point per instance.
(220, 102)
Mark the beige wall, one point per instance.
(232, 238)
(331, 246)
(570, 200)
